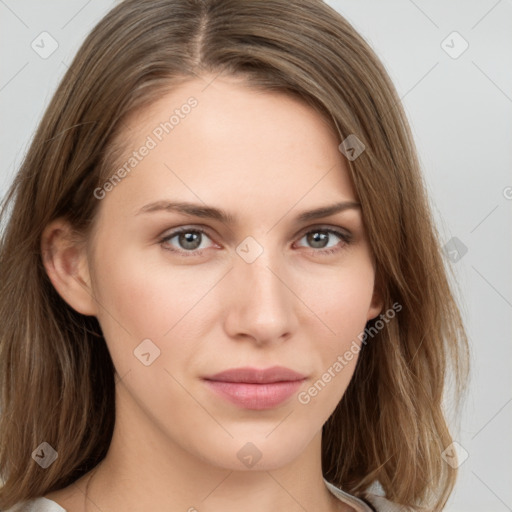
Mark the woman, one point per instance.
(221, 283)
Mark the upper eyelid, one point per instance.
(322, 227)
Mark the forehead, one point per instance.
(227, 106)
(226, 142)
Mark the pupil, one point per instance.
(318, 237)
(190, 240)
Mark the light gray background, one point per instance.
(460, 111)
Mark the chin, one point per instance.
(256, 452)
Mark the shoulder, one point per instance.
(37, 505)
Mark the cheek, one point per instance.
(334, 340)
(143, 302)
(148, 299)
(340, 303)
(341, 299)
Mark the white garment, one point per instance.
(37, 505)
(375, 497)
(379, 502)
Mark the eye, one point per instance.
(189, 241)
(321, 238)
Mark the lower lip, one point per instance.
(255, 396)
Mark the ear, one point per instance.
(377, 303)
(65, 261)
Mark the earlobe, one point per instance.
(66, 264)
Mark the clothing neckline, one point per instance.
(347, 498)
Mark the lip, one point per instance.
(257, 376)
(253, 388)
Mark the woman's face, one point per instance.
(266, 286)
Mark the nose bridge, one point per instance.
(262, 304)
(261, 274)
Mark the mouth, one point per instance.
(252, 388)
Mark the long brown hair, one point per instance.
(56, 376)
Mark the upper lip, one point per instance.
(257, 376)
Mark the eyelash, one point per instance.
(346, 237)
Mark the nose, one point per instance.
(261, 304)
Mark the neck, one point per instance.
(151, 472)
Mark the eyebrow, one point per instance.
(210, 212)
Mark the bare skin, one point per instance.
(265, 158)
